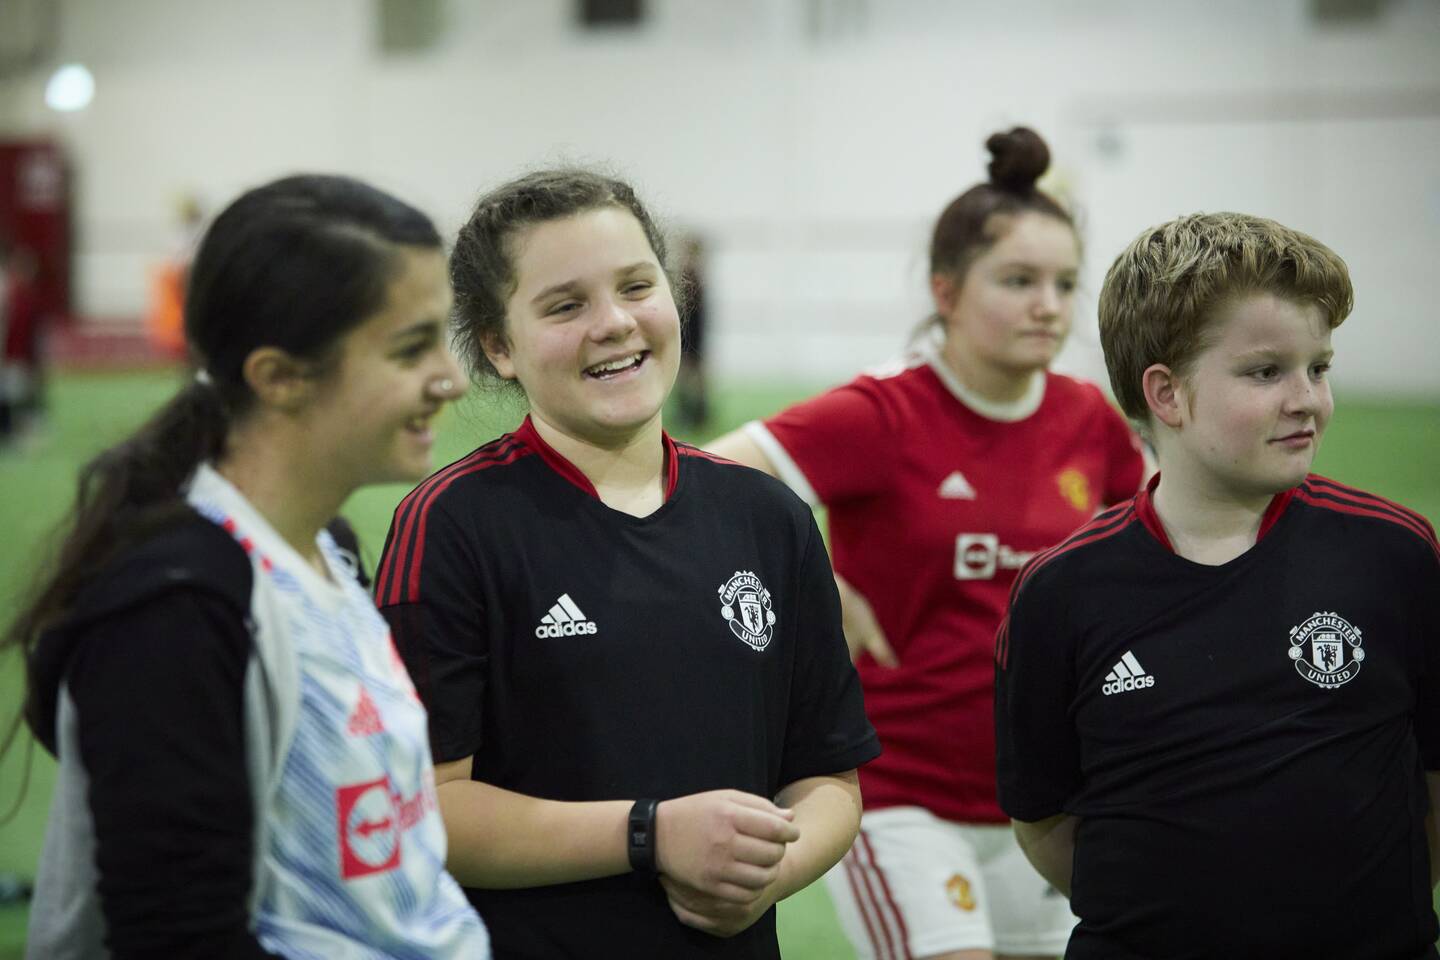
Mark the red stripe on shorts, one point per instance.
(853, 874)
(903, 938)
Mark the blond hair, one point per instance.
(1161, 295)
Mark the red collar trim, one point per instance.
(1145, 510)
(528, 435)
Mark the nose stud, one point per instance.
(446, 385)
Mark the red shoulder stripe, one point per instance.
(402, 523)
(417, 551)
(686, 450)
(1305, 495)
(1324, 485)
(407, 533)
(1107, 524)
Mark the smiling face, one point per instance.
(371, 416)
(591, 330)
(1255, 403)
(1012, 311)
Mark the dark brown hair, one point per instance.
(482, 265)
(980, 216)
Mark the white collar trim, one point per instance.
(927, 348)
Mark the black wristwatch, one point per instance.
(640, 837)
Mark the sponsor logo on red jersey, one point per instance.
(979, 555)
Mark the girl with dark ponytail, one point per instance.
(238, 746)
(943, 473)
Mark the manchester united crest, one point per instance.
(745, 605)
(1326, 650)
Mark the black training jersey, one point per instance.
(581, 653)
(1244, 744)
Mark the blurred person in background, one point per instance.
(692, 394)
(645, 720)
(243, 763)
(22, 374)
(942, 474)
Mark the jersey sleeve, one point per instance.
(1037, 747)
(158, 693)
(1427, 710)
(834, 447)
(827, 731)
(438, 622)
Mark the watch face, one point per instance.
(641, 847)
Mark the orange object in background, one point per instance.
(165, 321)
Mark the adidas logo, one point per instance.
(1127, 675)
(564, 620)
(365, 718)
(956, 487)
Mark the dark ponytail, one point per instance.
(295, 264)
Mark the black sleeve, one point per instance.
(1427, 712)
(827, 730)
(1037, 749)
(158, 694)
(439, 629)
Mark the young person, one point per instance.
(244, 769)
(646, 723)
(1216, 703)
(942, 474)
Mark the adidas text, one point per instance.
(568, 629)
(565, 619)
(1129, 683)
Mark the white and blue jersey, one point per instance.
(352, 851)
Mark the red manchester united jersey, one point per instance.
(936, 498)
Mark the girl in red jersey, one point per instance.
(646, 722)
(942, 475)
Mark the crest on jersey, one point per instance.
(1075, 487)
(745, 605)
(1326, 650)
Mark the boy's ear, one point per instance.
(278, 379)
(1163, 394)
(944, 290)
(497, 350)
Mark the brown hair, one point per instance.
(977, 218)
(1162, 293)
(482, 267)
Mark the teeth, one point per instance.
(614, 365)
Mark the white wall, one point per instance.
(814, 140)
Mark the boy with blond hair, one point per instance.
(1216, 704)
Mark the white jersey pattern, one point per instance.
(354, 847)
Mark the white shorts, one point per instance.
(914, 885)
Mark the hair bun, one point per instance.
(1018, 159)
